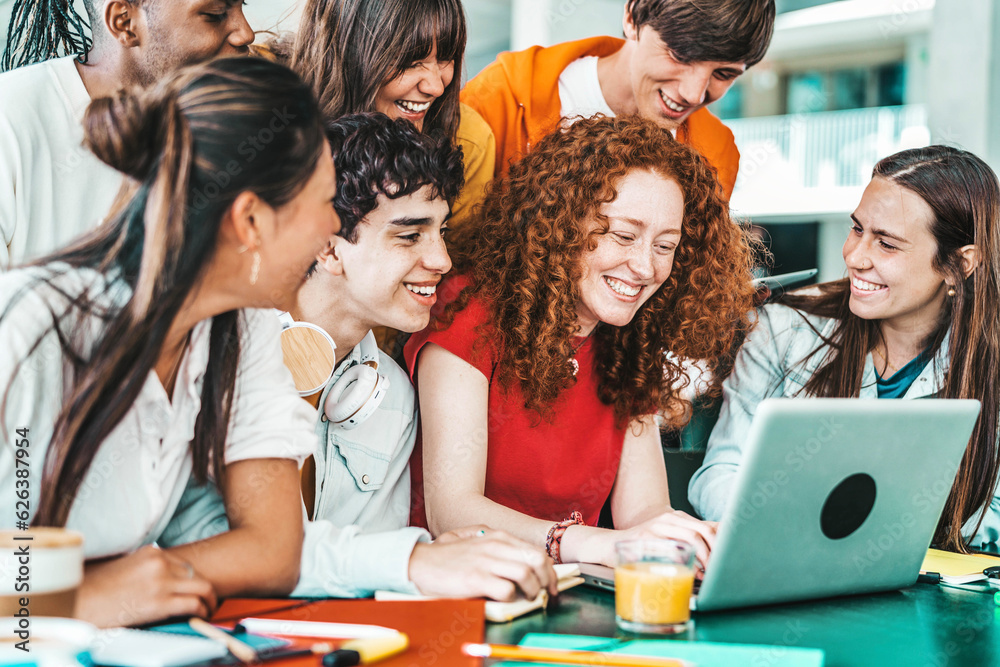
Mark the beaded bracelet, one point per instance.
(554, 539)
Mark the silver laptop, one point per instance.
(833, 497)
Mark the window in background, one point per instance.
(849, 88)
(783, 6)
(731, 104)
(891, 85)
(806, 93)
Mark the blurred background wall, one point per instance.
(845, 83)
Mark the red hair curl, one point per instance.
(525, 262)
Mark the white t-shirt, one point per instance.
(136, 479)
(52, 189)
(580, 90)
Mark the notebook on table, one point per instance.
(502, 612)
(958, 568)
(703, 654)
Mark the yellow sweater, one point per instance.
(479, 150)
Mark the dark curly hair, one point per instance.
(374, 155)
(525, 263)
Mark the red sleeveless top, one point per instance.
(544, 469)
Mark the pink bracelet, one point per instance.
(553, 540)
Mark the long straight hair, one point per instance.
(964, 195)
(184, 146)
(348, 49)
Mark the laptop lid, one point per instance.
(835, 497)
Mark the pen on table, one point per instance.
(366, 651)
(243, 652)
(929, 578)
(507, 652)
(287, 628)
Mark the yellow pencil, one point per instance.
(507, 652)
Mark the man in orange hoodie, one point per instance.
(677, 57)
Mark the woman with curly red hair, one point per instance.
(605, 248)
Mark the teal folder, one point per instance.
(704, 654)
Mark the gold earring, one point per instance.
(951, 291)
(255, 268)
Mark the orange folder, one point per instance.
(436, 628)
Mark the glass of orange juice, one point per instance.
(653, 584)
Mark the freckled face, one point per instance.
(634, 258)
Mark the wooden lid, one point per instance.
(309, 354)
(41, 538)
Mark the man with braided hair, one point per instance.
(52, 189)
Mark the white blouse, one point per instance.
(140, 471)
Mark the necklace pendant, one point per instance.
(576, 366)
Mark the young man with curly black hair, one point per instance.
(394, 189)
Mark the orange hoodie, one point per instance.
(518, 95)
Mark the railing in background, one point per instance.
(825, 149)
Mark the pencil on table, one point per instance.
(523, 654)
(243, 652)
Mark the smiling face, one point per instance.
(667, 90)
(411, 94)
(301, 229)
(173, 33)
(890, 259)
(634, 258)
(389, 276)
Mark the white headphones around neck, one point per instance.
(356, 394)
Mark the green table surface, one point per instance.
(921, 625)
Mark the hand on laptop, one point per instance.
(477, 561)
(675, 525)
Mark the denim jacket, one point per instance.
(772, 363)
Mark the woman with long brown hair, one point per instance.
(137, 357)
(605, 248)
(917, 316)
(402, 58)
